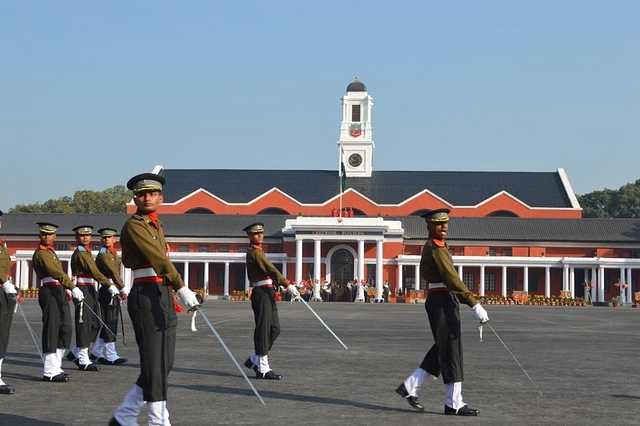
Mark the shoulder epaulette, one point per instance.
(81, 248)
(137, 217)
(439, 243)
(103, 250)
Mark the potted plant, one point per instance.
(615, 301)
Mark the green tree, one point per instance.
(623, 203)
(111, 200)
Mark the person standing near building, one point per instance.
(446, 292)
(53, 298)
(150, 302)
(7, 305)
(86, 274)
(104, 351)
(263, 275)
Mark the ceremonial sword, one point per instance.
(323, 323)
(33, 334)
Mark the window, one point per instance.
(489, 281)
(512, 281)
(63, 247)
(241, 249)
(469, 279)
(224, 249)
(508, 251)
(203, 249)
(183, 248)
(355, 113)
(492, 251)
(371, 274)
(533, 283)
(220, 278)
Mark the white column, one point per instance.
(601, 284)
(417, 277)
(185, 275)
(572, 282)
(547, 281)
(379, 262)
(247, 284)
(18, 277)
(565, 278)
(34, 279)
(504, 281)
(482, 289)
(525, 279)
(400, 278)
(629, 282)
(594, 281)
(621, 281)
(298, 261)
(360, 260)
(226, 279)
(206, 278)
(316, 260)
(460, 272)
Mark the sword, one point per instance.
(215, 333)
(33, 334)
(100, 320)
(323, 323)
(515, 359)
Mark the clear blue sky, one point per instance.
(92, 93)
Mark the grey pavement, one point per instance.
(549, 366)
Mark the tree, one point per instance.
(623, 203)
(111, 200)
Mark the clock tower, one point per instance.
(355, 131)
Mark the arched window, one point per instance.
(199, 210)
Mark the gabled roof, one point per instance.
(489, 229)
(535, 189)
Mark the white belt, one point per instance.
(49, 280)
(268, 281)
(144, 273)
(436, 285)
(84, 281)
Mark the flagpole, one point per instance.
(341, 177)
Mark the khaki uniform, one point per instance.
(84, 268)
(109, 264)
(442, 305)
(263, 301)
(53, 300)
(150, 302)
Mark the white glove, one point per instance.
(77, 294)
(188, 298)
(113, 290)
(293, 291)
(9, 288)
(124, 292)
(480, 313)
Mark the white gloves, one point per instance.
(77, 294)
(124, 292)
(188, 298)
(9, 288)
(480, 313)
(293, 291)
(113, 290)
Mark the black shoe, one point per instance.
(119, 361)
(269, 375)
(60, 378)
(114, 422)
(92, 357)
(7, 390)
(412, 400)
(71, 357)
(103, 360)
(464, 411)
(88, 367)
(250, 365)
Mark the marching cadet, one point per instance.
(86, 272)
(150, 302)
(110, 304)
(53, 297)
(446, 292)
(262, 275)
(7, 305)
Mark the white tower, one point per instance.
(356, 138)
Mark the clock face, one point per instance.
(355, 160)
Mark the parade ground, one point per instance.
(546, 366)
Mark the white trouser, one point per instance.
(98, 347)
(59, 355)
(83, 356)
(110, 349)
(454, 395)
(263, 363)
(415, 380)
(127, 413)
(1, 382)
(51, 364)
(158, 413)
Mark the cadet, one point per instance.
(110, 304)
(87, 273)
(446, 291)
(262, 275)
(7, 305)
(150, 302)
(55, 289)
